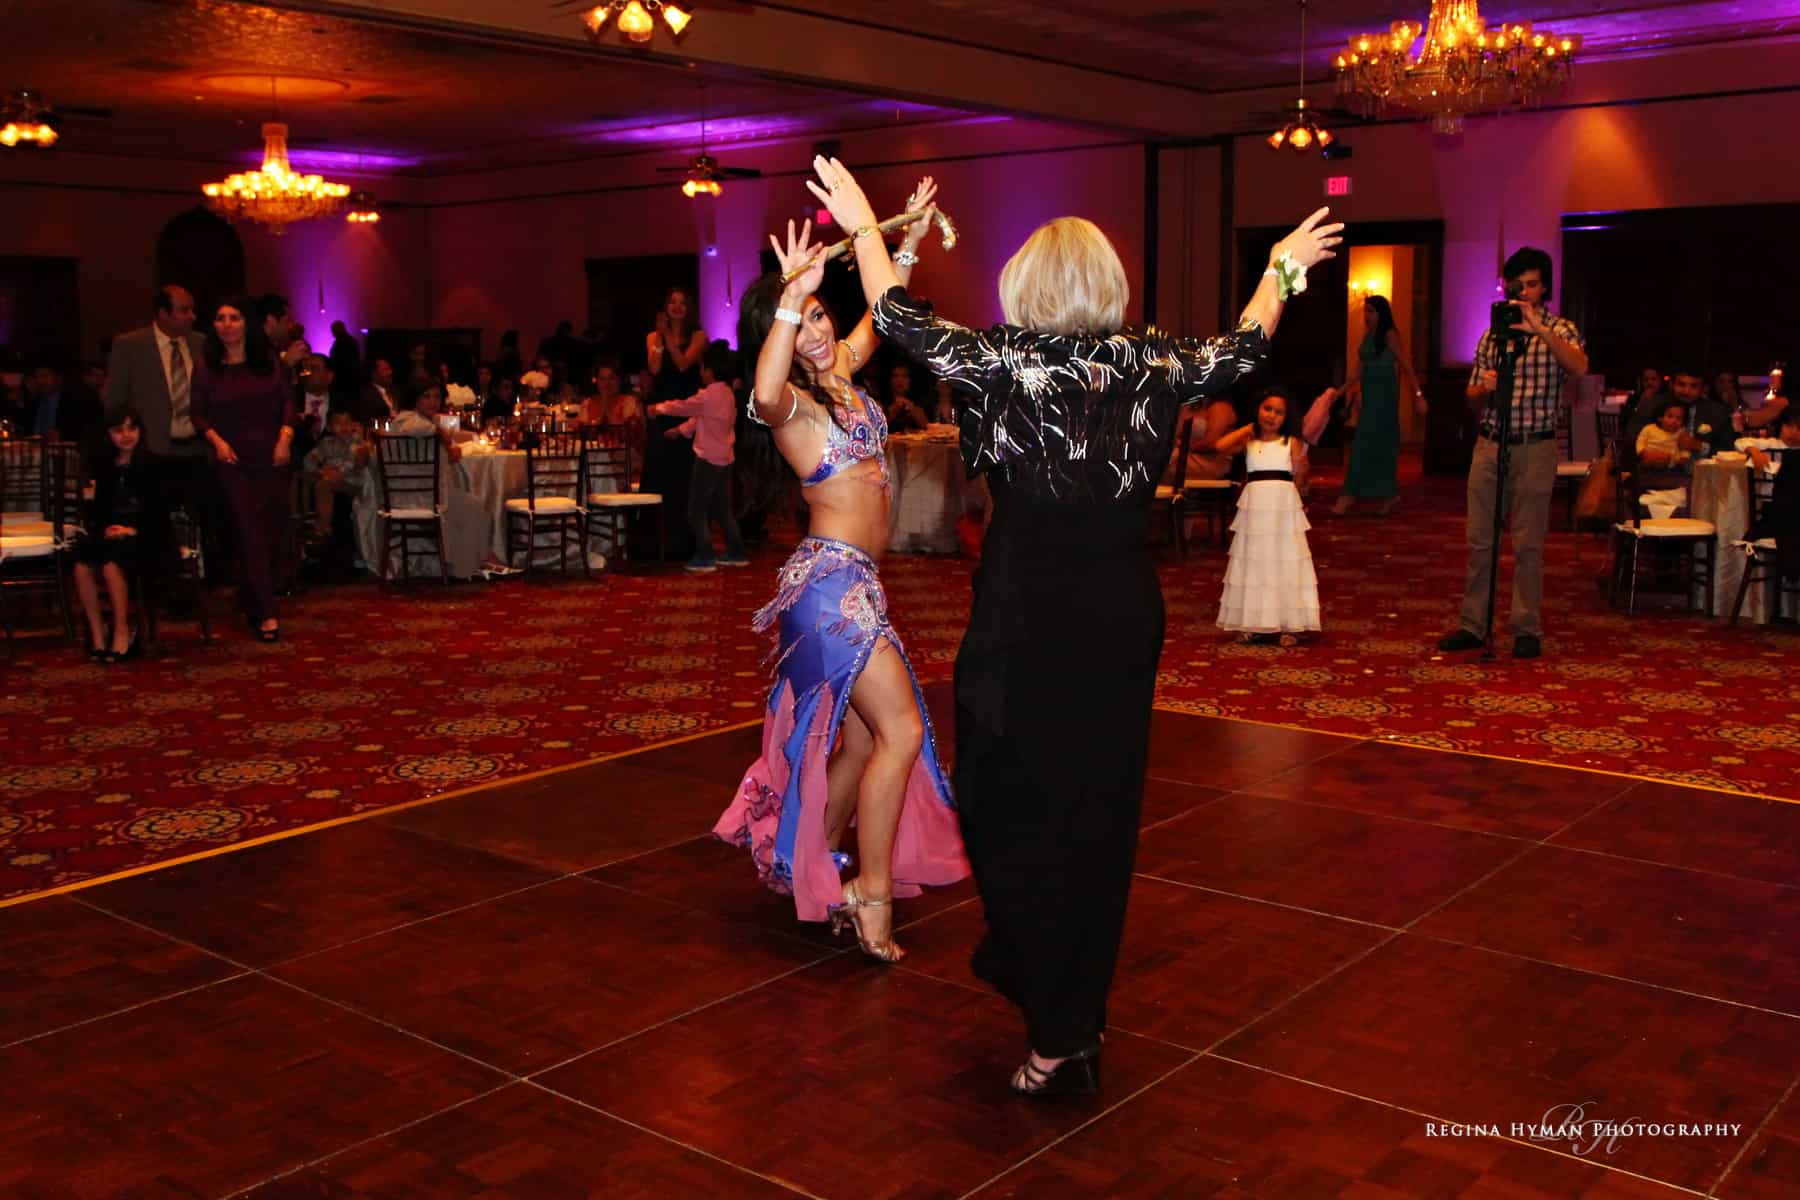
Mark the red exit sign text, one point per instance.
(1337, 185)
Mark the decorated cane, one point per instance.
(938, 216)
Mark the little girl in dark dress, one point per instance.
(124, 521)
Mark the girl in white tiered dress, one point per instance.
(1271, 593)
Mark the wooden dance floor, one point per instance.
(1342, 955)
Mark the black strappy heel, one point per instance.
(1077, 1075)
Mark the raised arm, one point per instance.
(1309, 245)
(776, 398)
(864, 339)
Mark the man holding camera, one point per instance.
(1552, 352)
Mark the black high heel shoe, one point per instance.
(1077, 1075)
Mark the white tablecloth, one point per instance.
(931, 492)
(1722, 496)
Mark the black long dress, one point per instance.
(669, 462)
(1056, 673)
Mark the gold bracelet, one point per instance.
(864, 231)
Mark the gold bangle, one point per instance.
(864, 231)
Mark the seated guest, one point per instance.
(1642, 404)
(126, 526)
(336, 466)
(500, 402)
(1779, 517)
(1708, 419)
(378, 397)
(316, 379)
(1665, 444)
(484, 387)
(904, 413)
(59, 409)
(619, 410)
(418, 417)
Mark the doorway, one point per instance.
(1311, 352)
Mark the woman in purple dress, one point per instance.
(243, 405)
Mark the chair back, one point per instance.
(606, 466)
(1637, 482)
(1606, 426)
(554, 467)
(410, 470)
(65, 484)
(1762, 485)
(22, 483)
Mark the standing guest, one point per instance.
(1553, 352)
(346, 357)
(244, 407)
(1070, 416)
(151, 372)
(1271, 593)
(1378, 370)
(126, 528)
(840, 671)
(714, 429)
(904, 413)
(281, 331)
(507, 363)
(673, 350)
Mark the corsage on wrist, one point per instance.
(1289, 275)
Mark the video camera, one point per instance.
(1507, 313)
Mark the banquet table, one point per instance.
(476, 489)
(1721, 494)
(930, 493)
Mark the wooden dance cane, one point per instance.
(938, 216)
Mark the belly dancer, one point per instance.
(845, 733)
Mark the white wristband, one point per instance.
(788, 315)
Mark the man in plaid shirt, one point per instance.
(1553, 352)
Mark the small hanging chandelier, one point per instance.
(363, 210)
(1302, 131)
(636, 19)
(24, 115)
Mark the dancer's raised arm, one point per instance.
(872, 261)
(777, 399)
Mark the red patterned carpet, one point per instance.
(378, 698)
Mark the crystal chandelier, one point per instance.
(1302, 131)
(636, 19)
(24, 116)
(1462, 66)
(275, 196)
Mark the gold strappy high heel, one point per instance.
(846, 916)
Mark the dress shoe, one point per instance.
(1462, 639)
(1526, 645)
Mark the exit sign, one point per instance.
(1337, 185)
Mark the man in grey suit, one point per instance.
(152, 370)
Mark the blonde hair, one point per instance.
(1065, 279)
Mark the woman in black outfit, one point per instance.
(1071, 418)
(673, 349)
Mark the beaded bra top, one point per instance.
(866, 438)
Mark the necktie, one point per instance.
(180, 426)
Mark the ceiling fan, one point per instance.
(703, 170)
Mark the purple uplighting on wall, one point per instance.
(724, 130)
(349, 160)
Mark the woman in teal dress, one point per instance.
(1374, 387)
